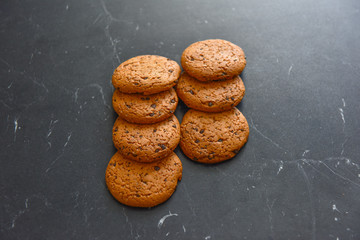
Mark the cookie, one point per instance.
(147, 74)
(212, 96)
(146, 142)
(138, 108)
(142, 184)
(213, 137)
(213, 59)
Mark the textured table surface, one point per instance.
(298, 177)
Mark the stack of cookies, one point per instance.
(144, 172)
(213, 130)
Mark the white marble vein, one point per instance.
(162, 220)
(290, 68)
(313, 217)
(281, 167)
(61, 154)
(334, 208)
(267, 138)
(270, 206)
(101, 93)
(15, 127)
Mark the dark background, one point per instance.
(298, 177)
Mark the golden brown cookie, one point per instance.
(147, 74)
(213, 59)
(213, 137)
(212, 96)
(143, 184)
(138, 108)
(146, 142)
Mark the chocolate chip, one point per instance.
(128, 106)
(196, 129)
(142, 98)
(235, 151)
(162, 146)
(174, 126)
(135, 155)
(157, 150)
(210, 104)
(191, 92)
(232, 98)
(192, 59)
(145, 78)
(126, 131)
(155, 130)
(141, 136)
(202, 131)
(137, 195)
(147, 98)
(157, 168)
(224, 73)
(195, 159)
(170, 70)
(220, 140)
(135, 83)
(172, 100)
(171, 111)
(153, 105)
(227, 98)
(152, 114)
(197, 140)
(116, 129)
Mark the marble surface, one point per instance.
(298, 177)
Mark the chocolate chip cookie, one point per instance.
(212, 96)
(213, 59)
(143, 184)
(213, 137)
(145, 109)
(147, 74)
(146, 142)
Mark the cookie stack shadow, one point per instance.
(144, 171)
(213, 130)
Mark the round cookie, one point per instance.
(212, 96)
(146, 143)
(137, 108)
(143, 184)
(213, 59)
(147, 74)
(213, 137)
